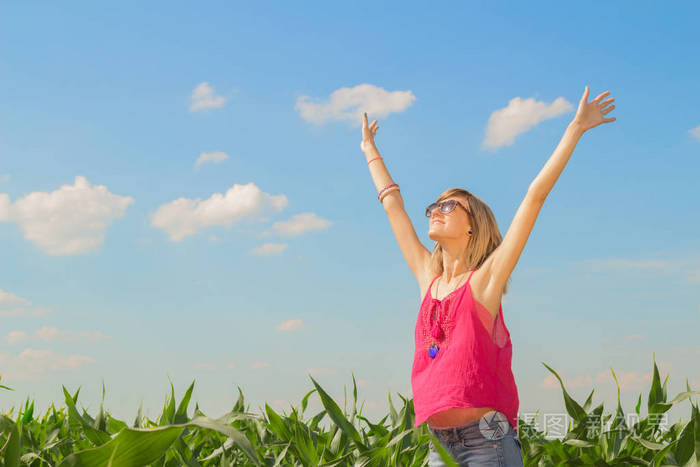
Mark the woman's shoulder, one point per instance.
(425, 280)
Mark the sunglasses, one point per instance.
(446, 207)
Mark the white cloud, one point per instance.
(12, 305)
(4, 207)
(518, 117)
(299, 224)
(67, 221)
(269, 249)
(550, 381)
(203, 97)
(214, 157)
(16, 337)
(34, 364)
(184, 217)
(50, 334)
(628, 380)
(349, 103)
(258, 365)
(695, 132)
(289, 325)
(6, 298)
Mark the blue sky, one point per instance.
(124, 259)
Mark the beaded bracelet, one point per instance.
(378, 157)
(379, 196)
(387, 192)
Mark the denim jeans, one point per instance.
(489, 441)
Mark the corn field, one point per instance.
(67, 437)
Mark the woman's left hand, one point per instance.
(591, 114)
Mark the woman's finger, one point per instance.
(606, 102)
(364, 119)
(584, 97)
(608, 109)
(600, 96)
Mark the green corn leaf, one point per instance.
(12, 448)
(684, 395)
(354, 398)
(100, 422)
(168, 415)
(572, 407)
(113, 425)
(685, 449)
(655, 392)
(277, 424)
(5, 387)
(579, 443)
(660, 457)
(648, 444)
(618, 422)
(587, 404)
(137, 421)
(136, 446)
(392, 412)
(444, 453)
(305, 446)
(280, 458)
(96, 436)
(305, 400)
(335, 414)
(377, 430)
(30, 456)
(181, 413)
(28, 412)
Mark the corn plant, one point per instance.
(70, 437)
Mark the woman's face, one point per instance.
(454, 224)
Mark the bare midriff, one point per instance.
(457, 416)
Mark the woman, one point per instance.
(462, 382)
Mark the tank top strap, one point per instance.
(470, 275)
(431, 282)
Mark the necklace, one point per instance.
(436, 331)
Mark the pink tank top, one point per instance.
(471, 366)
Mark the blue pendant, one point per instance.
(433, 350)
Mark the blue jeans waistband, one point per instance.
(492, 425)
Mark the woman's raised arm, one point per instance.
(416, 255)
(504, 258)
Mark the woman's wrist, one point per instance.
(369, 149)
(576, 127)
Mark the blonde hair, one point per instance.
(485, 235)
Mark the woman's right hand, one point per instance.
(368, 132)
